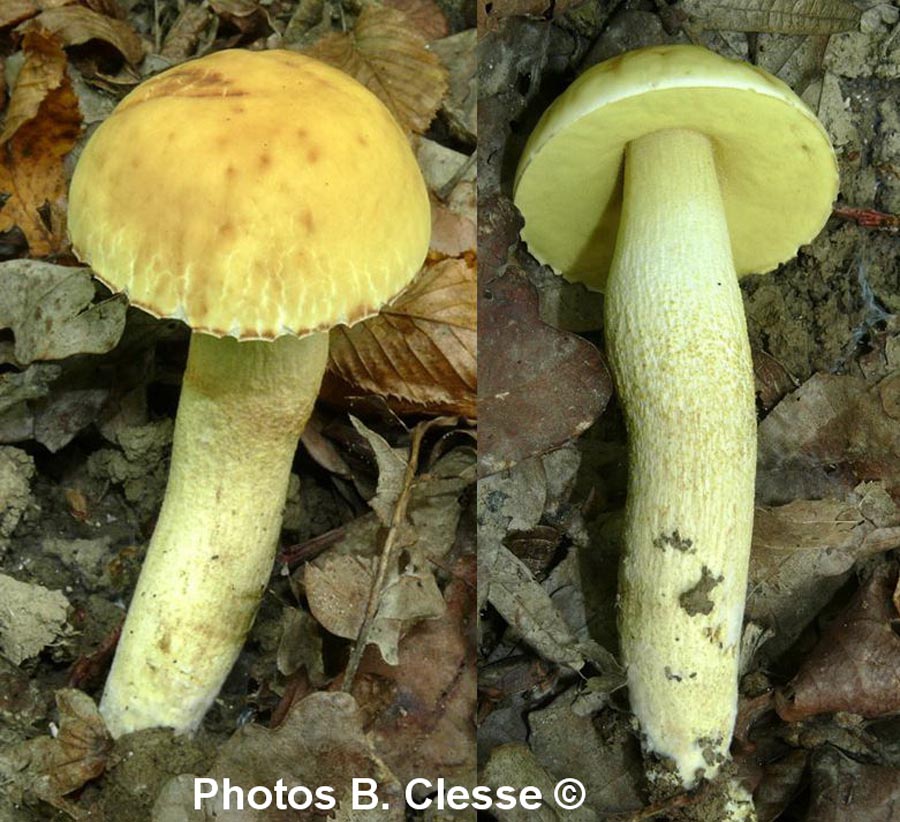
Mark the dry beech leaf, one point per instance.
(75, 25)
(775, 16)
(425, 16)
(419, 352)
(388, 56)
(49, 768)
(856, 665)
(33, 146)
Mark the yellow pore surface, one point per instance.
(776, 167)
(251, 194)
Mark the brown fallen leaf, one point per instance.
(804, 551)
(782, 780)
(775, 16)
(833, 432)
(426, 725)
(182, 38)
(50, 768)
(844, 790)
(539, 386)
(426, 17)
(419, 352)
(247, 16)
(491, 12)
(42, 127)
(388, 55)
(74, 25)
(855, 667)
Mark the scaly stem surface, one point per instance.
(243, 406)
(677, 342)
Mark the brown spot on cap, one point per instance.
(227, 229)
(265, 160)
(308, 222)
(362, 140)
(302, 133)
(230, 171)
(313, 154)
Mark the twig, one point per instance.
(388, 550)
(868, 218)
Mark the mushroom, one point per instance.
(262, 198)
(659, 177)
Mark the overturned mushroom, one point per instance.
(261, 197)
(676, 171)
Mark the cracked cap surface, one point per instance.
(251, 194)
(776, 167)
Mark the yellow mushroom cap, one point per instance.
(777, 169)
(251, 194)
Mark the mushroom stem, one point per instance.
(677, 341)
(243, 407)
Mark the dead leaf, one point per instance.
(805, 550)
(425, 16)
(392, 463)
(527, 607)
(322, 742)
(514, 764)
(855, 667)
(426, 728)
(826, 437)
(452, 233)
(300, 646)
(46, 122)
(74, 25)
(49, 768)
(776, 16)
(50, 311)
(418, 352)
(182, 38)
(15, 11)
(492, 12)
(606, 760)
(844, 790)
(247, 16)
(340, 586)
(458, 53)
(539, 386)
(388, 56)
(773, 380)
